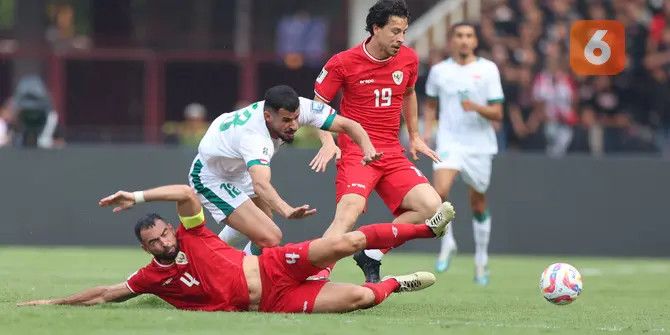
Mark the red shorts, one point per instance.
(392, 177)
(284, 271)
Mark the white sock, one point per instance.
(375, 254)
(481, 231)
(233, 237)
(448, 242)
(247, 249)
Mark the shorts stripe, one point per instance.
(225, 207)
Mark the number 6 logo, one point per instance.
(597, 47)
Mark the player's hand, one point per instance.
(469, 106)
(371, 155)
(300, 212)
(34, 303)
(325, 154)
(416, 145)
(121, 199)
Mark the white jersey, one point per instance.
(450, 82)
(238, 140)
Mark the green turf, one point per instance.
(620, 295)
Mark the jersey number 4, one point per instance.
(189, 280)
(383, 97)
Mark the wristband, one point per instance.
(139, 196)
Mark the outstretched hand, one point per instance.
(121, 199)
(300, 212)
(418, 145)
(34, 303)
(325, 154)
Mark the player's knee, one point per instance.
(362, 298)
(477, 202)
(354, 206)
(270, 238)
(349, 243)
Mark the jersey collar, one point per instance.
(372, 58)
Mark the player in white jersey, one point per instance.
(470, 98)
(231, 172)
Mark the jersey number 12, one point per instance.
(383, 97)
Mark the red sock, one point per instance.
(391, 235)
(382, 289)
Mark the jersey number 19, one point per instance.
(383, 97)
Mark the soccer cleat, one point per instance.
(413, 282)
(481, 275)
(369, 266)
(444, 260)
(321, 275)
(441, 219)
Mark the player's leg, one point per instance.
(477, 174)
(407, 193)
(353, 184)
(230, 205)
(340, 297)
(443, 179)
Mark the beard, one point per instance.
(168, 256)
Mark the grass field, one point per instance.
(620, 295)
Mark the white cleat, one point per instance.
(441, 219)
(413, 282)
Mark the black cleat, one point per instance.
(369, 266)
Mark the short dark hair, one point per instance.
(380, 13)
(457, 25)
(145, 222)
(281, 96)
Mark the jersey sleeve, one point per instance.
(316, 113)
(494, 92)
(140, 282)
(255, 149)
(329, 80)
(432, 87)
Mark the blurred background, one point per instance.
(155, 71)
(113, 85)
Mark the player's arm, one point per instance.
(188, 204)
(492, 111)
(92, 296)
(260, 177)
(328, 150)
(410, 111)
(358, 135)
(429, 117)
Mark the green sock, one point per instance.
(255, 250)
(481, 217)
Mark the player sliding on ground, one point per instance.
(195, 270)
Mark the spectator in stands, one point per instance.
(555, 98)
(301, 39)
(61, 33)
(36, 121)
(190, 131)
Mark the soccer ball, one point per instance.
(560, 283)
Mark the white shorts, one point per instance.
(475, 169)
(220, 196)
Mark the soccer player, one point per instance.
(231, 172)
(470, 98)
(377, 79)
(193, 269)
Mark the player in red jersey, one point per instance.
(377, 80)
(195, 270)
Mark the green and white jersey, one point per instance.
(238, 140)
(458, 130)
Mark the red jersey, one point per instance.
(207, 275)
(373, 92)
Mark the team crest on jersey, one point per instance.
(181, 258)
(322, 76)
(397, 77)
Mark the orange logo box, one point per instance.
(597, 47)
